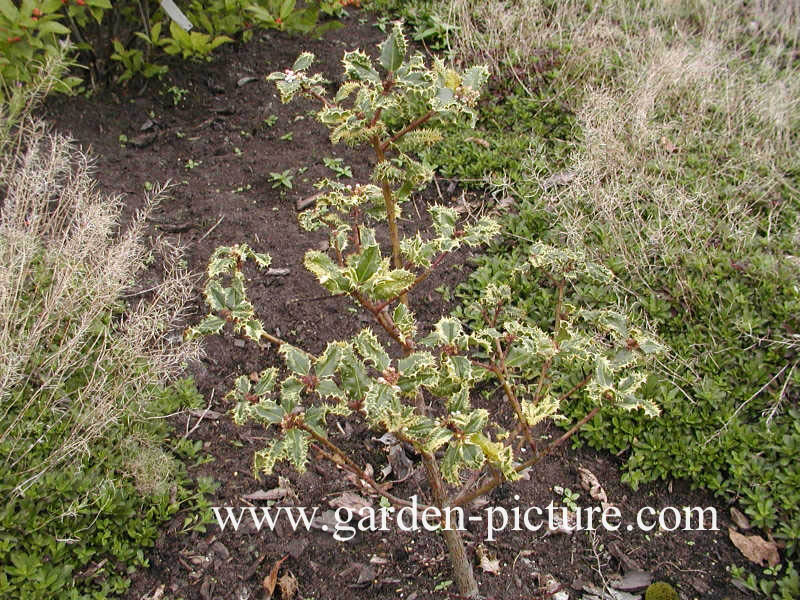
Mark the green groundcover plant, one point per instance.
(635, 149)
(419, 386)
(129, 39)
(87, 473)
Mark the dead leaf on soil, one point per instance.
(387, 439)
(288, 585)
(360, 483)
(633, 581)
(207, 588)
(627, 562)
(558, 179)
(271, 580)
(479, 503)
(504, 203)
(366, 575)
(591, 484)
(755, 548)
(304, 203)
(206, 413)
(400, 463)
(327, 521)
(353, 502)
(609, 593)
(296, 547)
(158, 593)
(551, 588)
(525, 474)
(285, 484)
(739, 519)
(700, 586)
(487, 563)
(562, 526)
(143, 140)
(273, 494)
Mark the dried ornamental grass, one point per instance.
(72, 360)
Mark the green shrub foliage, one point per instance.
(421, 387)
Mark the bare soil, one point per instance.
(218, 151)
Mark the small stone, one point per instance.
(633, 581)
(220, 550)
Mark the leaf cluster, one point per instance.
(125, 41)
(374, 98)
(426, 396)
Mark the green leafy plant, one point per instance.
(284, 15)
(775, 583)
(717, 275)
(338, 167)
(177, 93)
(29, 36)
(126, 41)
(191, 44)
(133, 63)
(82, 438)
(426, 20)
(568, 497)
(424, 397)
(282, 179)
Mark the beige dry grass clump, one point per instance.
(74, 359)
(657, 87)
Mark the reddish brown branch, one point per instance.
(338, 457)
(465, 497)
(410, 127)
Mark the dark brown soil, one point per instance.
(228, 197)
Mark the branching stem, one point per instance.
(465, 496)
(391, 212)
(410, 127)
(337, 456)
(501, 373)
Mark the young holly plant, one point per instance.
(421, 392)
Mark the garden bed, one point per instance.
(218, 132)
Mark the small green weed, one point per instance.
(282, 179)
(177, 93)
(337, 166)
